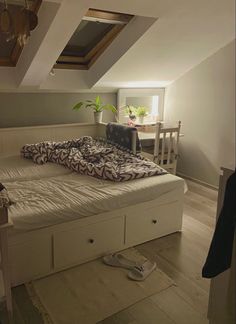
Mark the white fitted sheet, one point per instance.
(14, 168)
(50, 194)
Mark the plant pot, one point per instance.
(140, 119)
(98, 117)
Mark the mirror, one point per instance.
(142, 106)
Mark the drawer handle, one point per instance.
(154, 221)
(91, 241)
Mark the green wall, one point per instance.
(29, 109)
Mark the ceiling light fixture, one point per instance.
(52, 72)
(18, 25)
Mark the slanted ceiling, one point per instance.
(94, 34)
(164, 40)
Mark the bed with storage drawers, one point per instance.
(62, 218)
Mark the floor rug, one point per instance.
(91, 292)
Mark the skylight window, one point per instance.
(10, 49)
(93, 35)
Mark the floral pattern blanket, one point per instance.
(92, 157)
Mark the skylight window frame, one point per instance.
(119, 20)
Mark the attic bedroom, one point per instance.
(117, 162)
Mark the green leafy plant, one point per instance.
(130, 110)
(141, 111)
(95, 104)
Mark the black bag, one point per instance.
(221, 248)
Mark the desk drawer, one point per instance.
(81, 244)
(145, 225)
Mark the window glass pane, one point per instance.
(87, 36)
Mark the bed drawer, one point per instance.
(81, 244)
(30, 258)
(152, 223)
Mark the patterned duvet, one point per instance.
(92, 157)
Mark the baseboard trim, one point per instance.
(205, 184)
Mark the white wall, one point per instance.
(29, 109)
(204, 100)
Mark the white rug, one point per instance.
(91, 292)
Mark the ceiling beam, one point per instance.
(66, 80)
(7, 78)
(57, 23)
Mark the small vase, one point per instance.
(98, 117)
(141, 119)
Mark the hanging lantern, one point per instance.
(6, 24)
(25, 20)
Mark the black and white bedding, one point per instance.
(96, 158)
(49, 194)
(122, 135)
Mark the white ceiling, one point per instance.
(152, 53)
(186, 33)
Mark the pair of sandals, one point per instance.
(138, 272)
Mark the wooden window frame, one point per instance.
(119, 21)
(17, 50)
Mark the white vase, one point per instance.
(140, 119)
(98, 117)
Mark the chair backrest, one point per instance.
(123, 135)
(166, 146)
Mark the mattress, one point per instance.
(16, 168)
(50, 194)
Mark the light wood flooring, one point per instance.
(180, 256)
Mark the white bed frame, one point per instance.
(40, 252)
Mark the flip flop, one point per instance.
(118, 260)
(140, 273)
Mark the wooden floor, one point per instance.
(180, 256)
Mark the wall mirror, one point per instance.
(152, 100)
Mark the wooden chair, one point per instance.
(166, 147)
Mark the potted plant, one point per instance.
(141, 112)
(97, 107)
(131, 112)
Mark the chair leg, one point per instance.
(175, 168)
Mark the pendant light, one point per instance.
(6, 23)
(20, 25)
